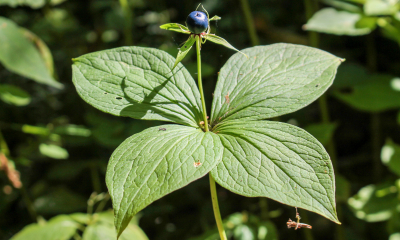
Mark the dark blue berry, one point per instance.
(197, 22)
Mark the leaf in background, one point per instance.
(137, 82)
(381, 7)
(60, 200)
(278, 161)
(61, 227)
(53, 151)
(323, 132)
(343, 189)
(155, 162)
(390, 156)
(374, 94)
(20, 56)
(343, 6)
(175, 27)
(14, 95)
(395, 236)
(267, 231)
(331, 21)
(73, 130)
(375, 203)
(184, 50)
(30, 3)
(103, 229)
(275, 80)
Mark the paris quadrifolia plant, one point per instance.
(236, 146)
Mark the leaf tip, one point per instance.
(342, 59)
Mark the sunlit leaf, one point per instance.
(278, 161)
(343, 5)
(175, 27)
(20, 56)
(103, 228)
(14, 95)
(53, 151)
(375, 203)
(61, 228)
(155, 162)
(381, 7)
(331, 21)
(219, 40)
(30, 3)
(274, 80)
(215, 18)
(390, 156)
(137, 82)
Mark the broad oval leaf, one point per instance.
(278, 161)
(155, 162)
(275, 80)
(331, 21)
(61, 227)
(138, 82)
(20, 56)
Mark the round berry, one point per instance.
(197, 22)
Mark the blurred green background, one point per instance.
(60, 145)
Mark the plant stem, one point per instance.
(213, 189)
(375, 118)
(250, 23)
(95, 178)
(217, 214)
(198, 45)
(128, 22)
(29, 204)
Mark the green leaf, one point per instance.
(375, 203)
(275, 80)
(53, 151)
(380, 7)
(73, 130)
(20, 56)
(103, 229)
(155, 162)
(184, 50)
(278, 161)
(390, 155)
(61, 228)
(60, 200)
(30, 3)
(175, 27)
(219, 40)
(364, 94)
(215, 18)
(14, 95)
(331, 21)
(395, 236)
(323, 132)
(137, 82)
(343, 6)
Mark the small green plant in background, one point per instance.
(235, 145)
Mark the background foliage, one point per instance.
(61, 145)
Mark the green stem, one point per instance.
(198, 45)
(217, 213)
(95, 178)
(304, 216)
(213, 189)
(250, 23)
(128, 22)
(311, 6)
(264, 209)
(29, 204)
